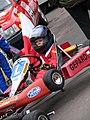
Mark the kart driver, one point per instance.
(42, 41)
(4, 65)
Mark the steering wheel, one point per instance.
(36, 63)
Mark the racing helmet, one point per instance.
(42, 31)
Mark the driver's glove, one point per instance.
(46, 66)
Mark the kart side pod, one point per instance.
(78, 62)
(53, 81)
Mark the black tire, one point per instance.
(36, 115)
(51, 81)
(42, 18)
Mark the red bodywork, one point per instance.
(10, 16)
(76, 63)
(38, 88)
(24, 97)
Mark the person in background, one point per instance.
(4, 65)
(42, 41)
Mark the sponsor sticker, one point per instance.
(79, 61)
(34, 91)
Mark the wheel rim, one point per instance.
(42, 117)
(57, 78)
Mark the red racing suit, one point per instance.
(49, 58)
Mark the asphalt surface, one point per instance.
(64, 27)
(74, 102)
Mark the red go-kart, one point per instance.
(73, 59)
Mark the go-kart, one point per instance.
(70, 60)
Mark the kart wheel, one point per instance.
(42, 18)
(36, 115)
(54, 80)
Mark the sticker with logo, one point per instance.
(34, 91)
(76, 63)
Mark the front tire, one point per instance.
(36, 115)
(54, 80)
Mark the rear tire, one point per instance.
(54, 80)
(36, 115)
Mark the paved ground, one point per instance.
(64, 27)
(74, 103)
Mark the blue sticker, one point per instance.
(17, 69)
(33, 92)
